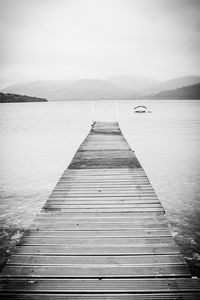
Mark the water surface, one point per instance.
(38, 141)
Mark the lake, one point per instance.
(38, 141)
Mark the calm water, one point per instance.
(38, 140)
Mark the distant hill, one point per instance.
(178, 83)
(15, 98)
(134, 82)
(39, 88)
(114, 87)
(186, 92)
(84, 89)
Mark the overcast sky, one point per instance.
(94, 38)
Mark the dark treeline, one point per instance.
(186, 92)
(15, 98)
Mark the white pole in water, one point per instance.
(117, 110)
(93, 112)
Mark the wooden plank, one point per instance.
(73, 219)
(105, 184)
(105, 171)
(108, 173)
(76, 203)
(123, 214)
(145, 285)
(99, 172)
(139, 193)
(99, 296)
(102, 226)
(104, 198)
(95, 181)
(101, 233)
(78, 173)
(130, 260)
(94, 173)
(102, 179)
(125, 170)
(64, 186)
(102, 203)
(128, 172)
(105, 205)
(145, 249)
(92, 163)
(96, 241)
(137, 223)
(104, 176)
(94, 201)
(108, 210)
(139, 174)
(111, 217)
(97, 271)
(147, 217)
(132, 178)
(130, 191)
(105, 193)
(111, 175)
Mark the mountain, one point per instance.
(117, 87)
(134, 82)
(15, 98)
(186, 92)
(43, 88)
(84, 89)
(178, 83)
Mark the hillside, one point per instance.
(117, 87)
(15, 98)
(131, 82)
(186, 92)
(84, 89)
(179, 83)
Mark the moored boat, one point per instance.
(140, 109)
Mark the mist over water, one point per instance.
(38, 141)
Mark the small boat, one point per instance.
(141, 109)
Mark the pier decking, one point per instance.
(102, 234)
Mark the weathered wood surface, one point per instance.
(102, 234)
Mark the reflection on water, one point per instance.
(38, 140)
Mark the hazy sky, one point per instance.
(95, 38)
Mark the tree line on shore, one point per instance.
(10, 98)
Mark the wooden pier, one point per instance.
(102, 234)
